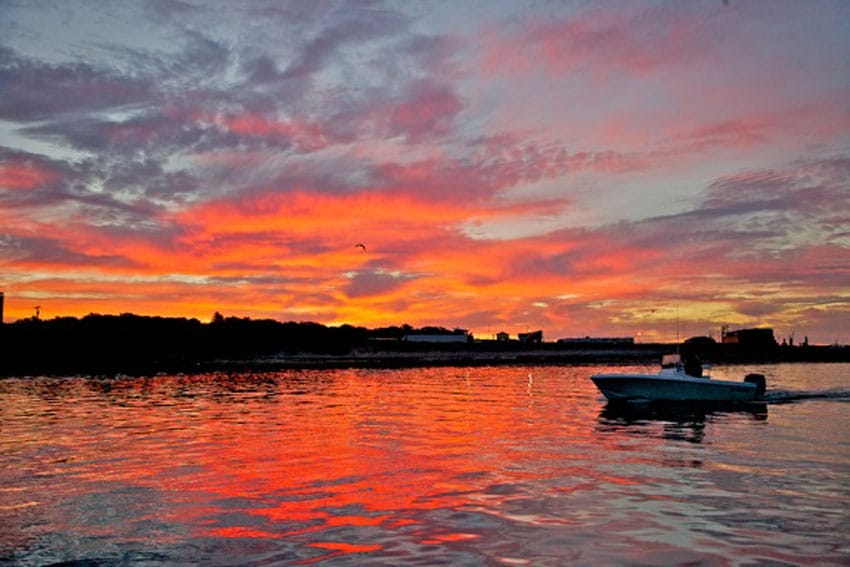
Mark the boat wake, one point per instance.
(790, 396)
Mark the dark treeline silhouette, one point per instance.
(138, 344)
(129, 334)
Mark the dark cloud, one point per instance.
(804, 187)
(44, 250)
(375, 282)
(35, 90)
(67, 189)
(318, 40)
(159, 132)
(805, 198)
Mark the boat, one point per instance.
(678, 382)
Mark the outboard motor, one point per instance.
(759, 381)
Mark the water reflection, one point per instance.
(426, 466)
(308, 466)
(680, 421)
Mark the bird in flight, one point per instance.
(360, 245)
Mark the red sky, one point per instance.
(585, 168)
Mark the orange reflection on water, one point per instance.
(333, 460)
(439, 539)
(239, 532)
(337, 549)
(446, 465)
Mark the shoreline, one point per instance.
(143, 345)
(136, 364)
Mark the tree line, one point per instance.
(138, 342)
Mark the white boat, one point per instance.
(675, 383)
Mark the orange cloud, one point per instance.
(293, 256)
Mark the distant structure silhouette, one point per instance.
(1, 307)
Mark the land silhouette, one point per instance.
(144, 345)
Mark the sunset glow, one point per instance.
(594, 168)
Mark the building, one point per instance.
(749, 338)
(458, 336)
(535, 337)
(503, 337)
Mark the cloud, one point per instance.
(801, 205)
(43, 252)
(349, 26)
(64, 192)
(427, 112)
(377, 282)
(729, 133)
(149, 133)
(273, 132)
(598, 40)
(35, 90)
(560, 166)
(20, 170)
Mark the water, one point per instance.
(461, 466)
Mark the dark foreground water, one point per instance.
(460, 466)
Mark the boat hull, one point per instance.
(653, 387)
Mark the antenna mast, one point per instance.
(677, 328)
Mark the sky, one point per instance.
(596, 168)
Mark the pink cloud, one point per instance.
(24, 176)
(600, 40)
(308, 136)
(428, 110)
(727, 134)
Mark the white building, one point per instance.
(459, 336)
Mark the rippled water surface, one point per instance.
(515, 466)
